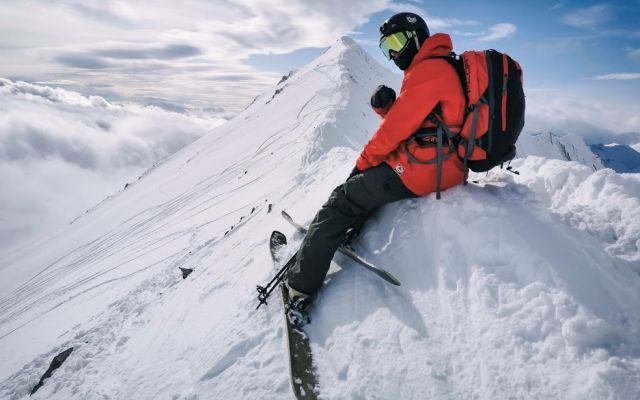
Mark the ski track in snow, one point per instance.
(516, 287)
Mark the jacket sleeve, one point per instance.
(403, 119)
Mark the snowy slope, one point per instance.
(515, 287)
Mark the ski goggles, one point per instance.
(396, 41)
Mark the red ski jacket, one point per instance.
(427, 82)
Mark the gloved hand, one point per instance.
(382, 99)
(355, 171)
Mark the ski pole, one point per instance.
(265, 291)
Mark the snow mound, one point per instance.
(500, 299)
(602, 203)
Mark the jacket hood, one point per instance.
(438, 45)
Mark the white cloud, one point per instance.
(593, 117)
(558, 46)
(126, 47)
(556, 6)
(590, 17)
(61, 152)
(109, 10)
(434, 23)
(618, 77)
(499, 31)
(403, 7)
(446, 23)
(634, 54)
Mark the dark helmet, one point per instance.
(406, 22)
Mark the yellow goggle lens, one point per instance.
(396, 42)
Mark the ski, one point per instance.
(350, 253)
(304, 381)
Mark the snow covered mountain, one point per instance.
(571, 147)
(519, 286)
(561, 147)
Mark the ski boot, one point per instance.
(351, 235)
(296, 306)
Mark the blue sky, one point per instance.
(581, 58)
(581, 49)
(556, 41)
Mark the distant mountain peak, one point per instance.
(567, 147)
(347, 41)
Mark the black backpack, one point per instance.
(494, 116)
(492, 82)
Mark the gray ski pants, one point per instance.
(349, 206)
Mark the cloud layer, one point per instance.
(198, 50)
(61, 152)
(597, 120)
(125, 48)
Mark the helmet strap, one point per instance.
(415, 37)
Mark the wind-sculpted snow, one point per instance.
(514, 287)
(500, 299)
(603, 203)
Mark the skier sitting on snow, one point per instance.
(389, 168)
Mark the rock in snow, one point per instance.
(517, 287)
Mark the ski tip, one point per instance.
(389, 278)
(392, 279)
(286, 215)
(278, 238)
